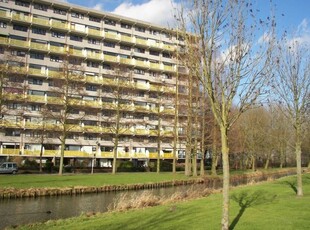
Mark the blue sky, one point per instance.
(291, 14)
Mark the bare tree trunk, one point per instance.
(253, 162)
(298, 159)
(225, 159)
(267, 161)
(114, 156)
(158, 143)
(62, 153)
(41, 153)
(214, 152)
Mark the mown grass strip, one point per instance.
(269, 205)
(70, 180)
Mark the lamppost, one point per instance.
(94, 158)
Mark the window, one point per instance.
(59, 11)
(93, 64)
(22, 3)
(109, 22)
(3, 25)
(39, 56)
(34, 81)
(14, 106)
(36, 30)
(140, 29)
(139, 50)
(93, 41)
(5, 1)
(76, 38)
(20, 28)
(139, 71)
(58, 34)
(166, 55)
(126, 26)
(123, 47)
(109, 44)
(55, 58)
(94, 19)
(35, 107)
(155, 53)
(77, 15)
(154, 32)
(106, 66)
(91, 88)
(38, 6)
(19, 53)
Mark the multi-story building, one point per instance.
(118, 61)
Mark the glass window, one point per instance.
(38, 6)
(60, 11)
(22, 3)
(40, 31)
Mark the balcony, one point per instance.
(94, 32)
(19, 43)
(110, 58)
(60, 25)
(38, 46)
(36, 98)
(111, 36)
(21, 18)
(5, 14)
(33, 71)
(142, 64)
(155, 66)
(125, 38)
(40, 21)
(93, 55)
(4, 40)
(57, 49)
(169, 47)
(76, 52)
(54, 74)
(107, 154)
(169, 68)
(123, 155)
(141, 41)
(126, 61)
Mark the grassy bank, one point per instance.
(270, 205)
(70, 180)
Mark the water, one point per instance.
(30, 210)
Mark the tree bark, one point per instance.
(62, 153)
(298, 159)
(225, 159)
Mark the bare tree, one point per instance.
(292, 86)
(226, 53)
(67, 87)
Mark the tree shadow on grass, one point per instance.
(245, 200)
(291, 184)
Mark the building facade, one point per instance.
(93, 73)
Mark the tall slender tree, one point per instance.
(291, 83)
(225, 52)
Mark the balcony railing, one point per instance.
(21, 43)
(57, 49)
(38, 46)
(21, 17)
(5, 14)
(40, 21)
(94, 32)
(110, 58)
(60, 25)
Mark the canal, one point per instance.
(29, 210)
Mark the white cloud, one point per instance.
(154, 11)
(302, 35)
(98, 6)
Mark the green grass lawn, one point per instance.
(270, 205)
(69, 180)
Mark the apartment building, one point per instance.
(123, 68)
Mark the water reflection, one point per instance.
(30, 210)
